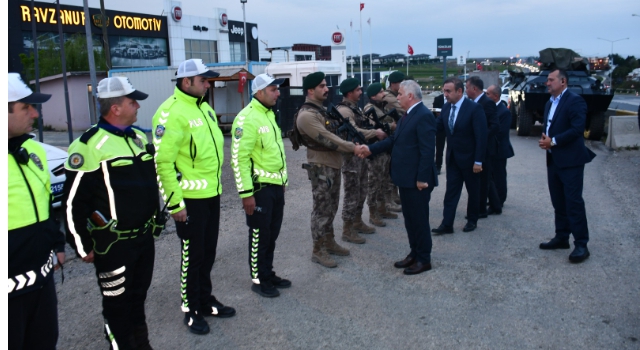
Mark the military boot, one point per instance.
(374, 217)
(349, 234)
(391, 205)
(332, 247)
(361, 227)
(384, 213)
(320, 255)
(395, 197)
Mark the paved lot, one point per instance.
(489, 289)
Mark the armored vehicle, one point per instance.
(529, 93)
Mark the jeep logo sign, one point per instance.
(176, 13)
(237, 30)
(337, 38)
(223, 20)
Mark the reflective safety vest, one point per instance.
(257, 151)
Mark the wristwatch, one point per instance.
(552, 143)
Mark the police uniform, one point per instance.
(111, 199)
(34, 238)
(259, 165)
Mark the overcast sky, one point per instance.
(486, 28)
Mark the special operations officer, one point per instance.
(34, 238)
(188, 141)
(355, 169)
(391, 99)
(317, 131)
(259, 164)
(111, 200)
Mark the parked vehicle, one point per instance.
(55, 160)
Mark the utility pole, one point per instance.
(34, 34)
(92, 63)
(64, 74)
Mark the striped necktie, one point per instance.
(451, 116)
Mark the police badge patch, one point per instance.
(36, 160)
(238, 133)
(159, 131)
(76, 160)
(138, 143)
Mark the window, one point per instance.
(205, 49)
(303, 57)
(237, 52)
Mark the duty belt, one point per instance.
(27, 279)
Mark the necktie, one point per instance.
(451, 116)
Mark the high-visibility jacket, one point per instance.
(257, 151)
(34, 235)
(187, 140)
(109, 171)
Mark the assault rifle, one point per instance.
(353, 134)
(371, 114)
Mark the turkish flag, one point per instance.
(410, 50)
(242, 79)
(361, 6)
(478, 66)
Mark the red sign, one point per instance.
(410, 50)
(176, 13)
(337, 38)
(242, 80)
(223, 20)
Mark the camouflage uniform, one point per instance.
(391, 99)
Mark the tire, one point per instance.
(525, 121)
(514, 116)
(595, 126)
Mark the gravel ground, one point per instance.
(489, 289)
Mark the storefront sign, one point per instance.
(176, 13)
(223, 20)
(337, 38)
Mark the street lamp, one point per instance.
(246, 50)
(611, 62)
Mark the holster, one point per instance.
(103, 236)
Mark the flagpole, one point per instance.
(408, 62)
(351, 47)
(361, 72)
(370, 55)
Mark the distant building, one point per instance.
(322, 53)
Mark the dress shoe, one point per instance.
(492, 211)
(438, 170)
(442, 229)
(196, 323)
(555, 243)
(480, 216)
(579, 254)
(266, 289)
(470, 226)
(216, 309)
(417, 268)
(280, 282)
(406, 262)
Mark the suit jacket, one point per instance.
(468, 143)
(505, 150)
(567, 127)
(412, 148)
(493, 126)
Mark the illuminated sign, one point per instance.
(223, 20)
(337, 38)
(176, 13)
(76, 18)
(445, 47)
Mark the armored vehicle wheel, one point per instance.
(525, 121)
(514, 116)
(595, 126)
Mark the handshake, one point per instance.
(362, 151)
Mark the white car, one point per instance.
(504, 96)
(55, 160)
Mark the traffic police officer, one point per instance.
(354, 169)
(188, 141)
(111, 200)
(34, 240)
(259, 164)
(318, 133)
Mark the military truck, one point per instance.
(529, 94)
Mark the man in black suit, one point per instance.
(412, 148)
(565, 116)
(475, 87)
(438, 102)
(505, 150)
(465, 127)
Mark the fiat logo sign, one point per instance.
(176, 13)
(337, 38)
(223, 20)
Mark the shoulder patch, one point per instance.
(159, 131)
(76, 160)
(138, 142)
(238, 133)
(34, 157)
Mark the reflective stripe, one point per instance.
(107, 183)
(112, 273)
(194, 184)
(70, 222)
(28, 278)
(112, 338)
(114, 293)
(183, 276)
(104, 139)
(112, 284)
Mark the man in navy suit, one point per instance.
(505, 150)
(475, 87)
(465, 126)
(565, 116)
(412, 148)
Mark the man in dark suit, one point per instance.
(475, 87)
(505, 150)
(465, 127)
(412, 148)
(565, 117)
(438, 102)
